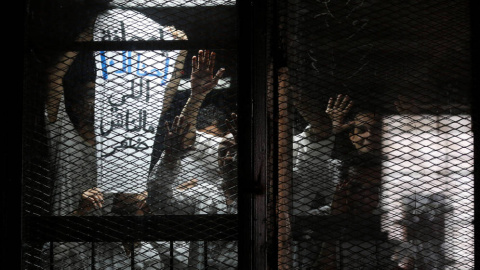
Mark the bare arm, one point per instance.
(167, 169)
(55, 75)
(202, 83)
(55, 84)
(174, 82)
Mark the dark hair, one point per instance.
(210, 115)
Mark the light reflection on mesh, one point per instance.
(104, 132)
(388, 185)
(395, 187)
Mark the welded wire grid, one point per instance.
(95, 129)
(406, 200)
(408, 205)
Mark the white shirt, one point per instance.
(315, 174)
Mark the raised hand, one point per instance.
(176, 33)
(175, 136)
(202, 79)
(337, 112)
(90, 199)
(141, 201)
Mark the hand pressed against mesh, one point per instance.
(174, 137)
(337, 111)
(90, 199)
(202, 79)
(202, 82)
(130, 204)
(358, 192)
(123, 203)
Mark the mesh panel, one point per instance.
(130, 135)
(131, 161)
(373, 166)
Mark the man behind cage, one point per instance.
(315, 174)
(357, 197)
(76, 143)
(196, 173)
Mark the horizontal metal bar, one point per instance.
(131, 228)
(337, 227)
(146, 45)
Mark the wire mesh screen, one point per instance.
(130, 135)
(372, 160)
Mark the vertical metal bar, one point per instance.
(132, 255)
(282, 133)
(284, 169)
(51, 256)
(275, 114)
(205, 254)
(252, 135)
(475, 24)
(93, 256)
(171, 255)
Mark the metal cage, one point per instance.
(248, 135)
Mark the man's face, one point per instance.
(365, 134)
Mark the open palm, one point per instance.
(202, 79)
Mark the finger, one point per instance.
(337, 101)
(349, 106)
(99, 194)
(141, 204)
(177, 120)
(227, 160)
(167, 127)
(344, 102)
(175, 123)
(329, 105)
(194, 64)
(211, 64)
(183, 35)
(92, 201)
(98, 201)
(181, 120)
(219, 74)
(207, 60)
(201, 60)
